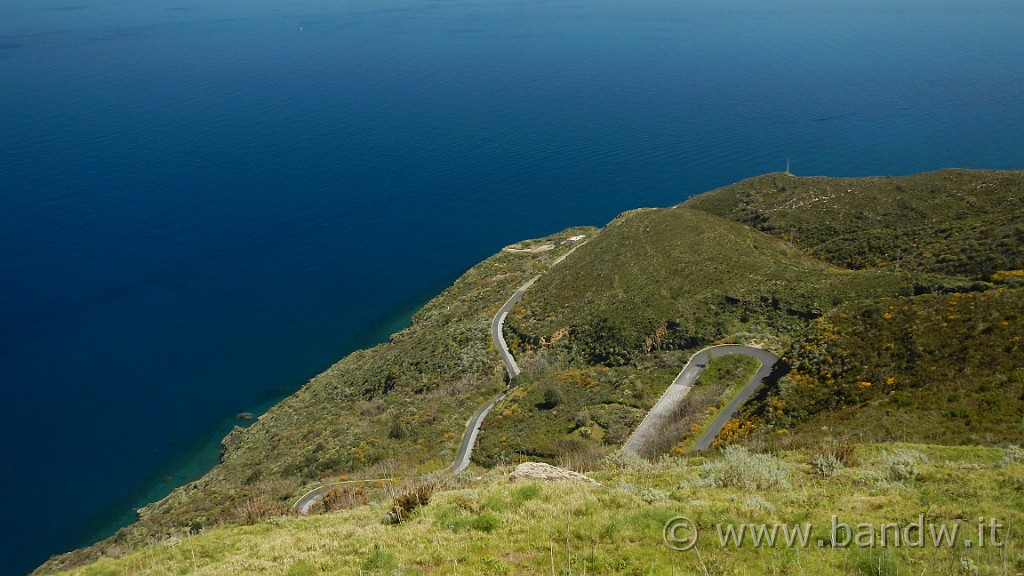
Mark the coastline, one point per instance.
(203, 452)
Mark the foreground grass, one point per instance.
(489, 526)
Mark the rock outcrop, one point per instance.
(546, 473)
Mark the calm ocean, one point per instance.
(205, 203)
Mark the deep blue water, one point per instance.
(203, 204)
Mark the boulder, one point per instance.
(540, 471)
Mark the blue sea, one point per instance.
(205, 203)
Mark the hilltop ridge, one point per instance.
(906, 284)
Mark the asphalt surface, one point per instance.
(661, 414)
(497, 334)
(472, 430)
(307, 501)
(462, 458)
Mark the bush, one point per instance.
(626, 461)
(844, 453)
(397, 431)
(740, 468)
(648, 494)
(826, 465)
(407, 501)
(342, 498)
(1013, 453)
(552, 397)
(259, 508)
(586, 458)
(901, 464)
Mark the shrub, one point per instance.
(648, 494)
(1013, 453)
(844, 453)
(626, 461)
(397, 431)
(342, 498)
(901, 464)
(826, 465)
(740, 468)
(407, 501)
(552, 397)
(756, 502)
(259, 508)
(586, 458)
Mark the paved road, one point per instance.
(661, 414)
(497, 333)
(302, 505)
(511, 369)
(472, 430)
(462, 458)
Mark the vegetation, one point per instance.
(397, 409)
(895, 303)
(899, 370)
(491, 526)
(965, 223)
(679, 279)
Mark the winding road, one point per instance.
(649, 427)
(498, 336)
(511, 371)
(462, 458)
(659, 416)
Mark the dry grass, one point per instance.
(494, 527)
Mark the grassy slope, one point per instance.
(923, 368)
(958, 222)
(680, 278)
(493, 527)
(430, 378)
(652, 288)
(946, 369)
(758, 261)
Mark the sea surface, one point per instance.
(204, 203)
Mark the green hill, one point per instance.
(896, 304)
(966, 223)
(491, 526)
(944, 369)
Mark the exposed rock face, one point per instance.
(229, 441)
(546, 473)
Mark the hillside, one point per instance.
(491, 526)
(964, 223)
(760, 262)
(895, 303)
(395, 409)
(946, 369)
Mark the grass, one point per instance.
(490, 526)
(897, 301)
(963, 223)
(946, 369)
(429, 379)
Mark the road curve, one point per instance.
(660, 415)
(472, 430)
(303, 504)
(498, 336)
